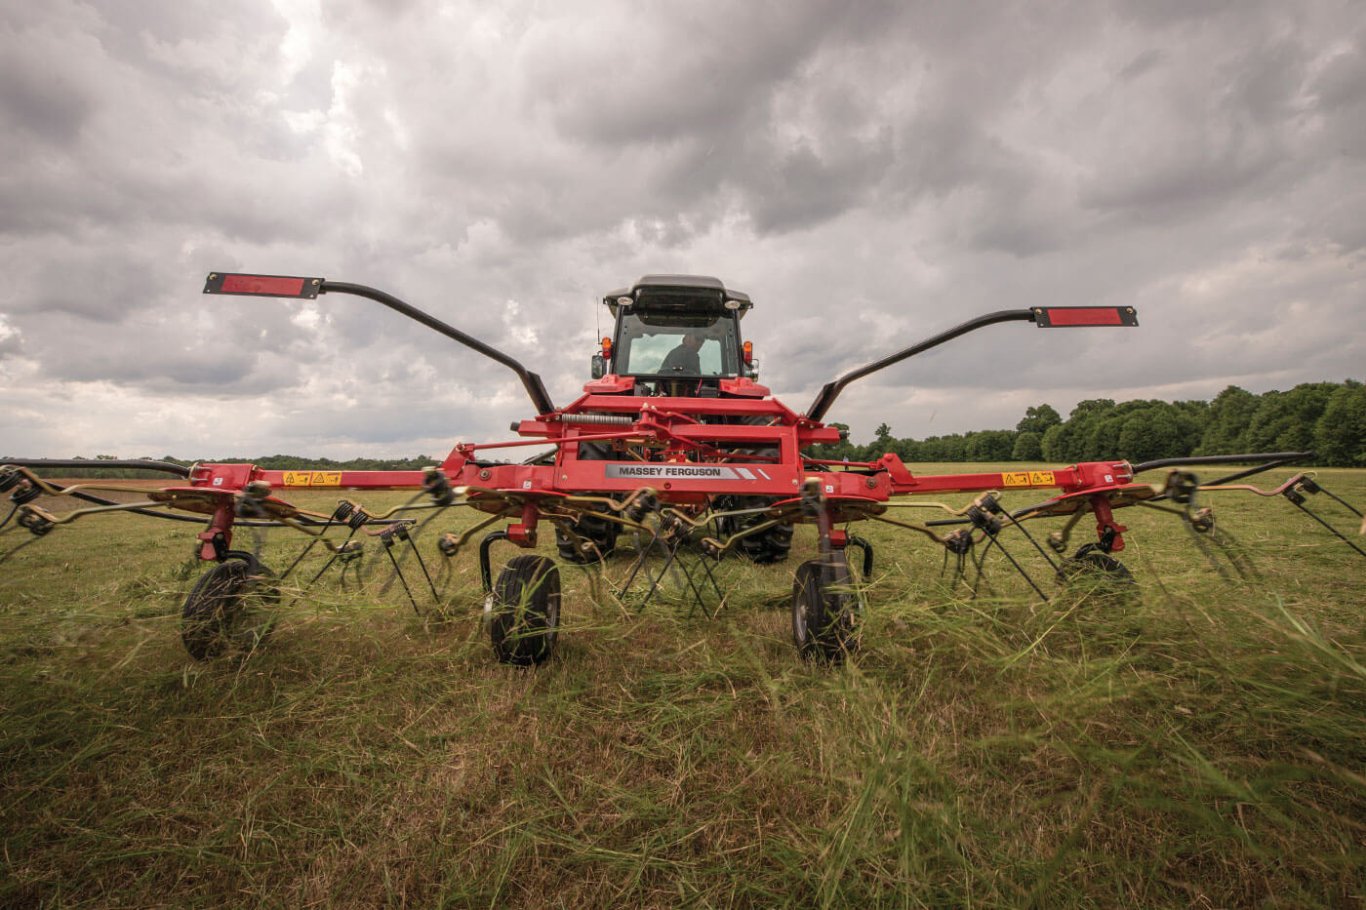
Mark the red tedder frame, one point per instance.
(693, 441)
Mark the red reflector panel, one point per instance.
(1055, 316)
(262, 285)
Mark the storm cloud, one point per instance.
(869, 173)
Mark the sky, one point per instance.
(869, 173)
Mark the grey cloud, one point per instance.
(1148, 60)
(871, 174)
(39, 98)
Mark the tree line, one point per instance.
(269, 462)
(1326, 417)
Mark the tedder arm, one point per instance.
(1043, 317)
(310, 288)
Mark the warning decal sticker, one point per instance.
(312, 478)
(1027, 479)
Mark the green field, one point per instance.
(1202, 744)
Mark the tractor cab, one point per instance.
(676, 335)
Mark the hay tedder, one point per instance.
(673, 443)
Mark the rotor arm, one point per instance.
(1043, 317)
(310, 288)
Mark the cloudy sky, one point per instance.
(870, 173)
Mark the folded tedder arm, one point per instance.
(310, 288)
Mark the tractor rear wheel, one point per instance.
(229, 608)
(765, 547)
(599, 532)
(525, 618)
(826, 609)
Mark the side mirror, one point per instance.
(599, 366)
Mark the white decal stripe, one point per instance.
(647, 471)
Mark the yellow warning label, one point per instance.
(1015, 479)
(1040, 478)
(312, 478)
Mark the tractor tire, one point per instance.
(525, 619)
(600, 532)
(764, 548)
(229, 609)
(825, 616)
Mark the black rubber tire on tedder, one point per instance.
(825, 614)
(1097, 572)
(1090, 558)
(229, 609)
(525, 619)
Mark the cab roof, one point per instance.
(676, 286)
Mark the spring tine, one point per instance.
(1339, 500)
(643, 553)
(1230, 547)
(1204, 549)
(1029, 537)
(398, 573)
(306, 550)
(311, 544)
(1332, 530)
(1342, 502)
(978, 563)
(1023, 574)
(422, 563)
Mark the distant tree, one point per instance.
(1149, 433)
(1028, 446)
(1340, 433)
(1087, 429)
(882, 442)
(1091, 407)
(989, 445)
(1285, 421)
(1057, 443)
(1327, 416)
(1039, 419)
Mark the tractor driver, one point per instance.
(683, 359)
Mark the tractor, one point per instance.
(675, 441)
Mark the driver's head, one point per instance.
(693, 340)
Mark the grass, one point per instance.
(1198, 745)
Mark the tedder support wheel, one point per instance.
(1092, 565)
(228, 609)
(525, 617)
(825, 609)
(600, 532)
